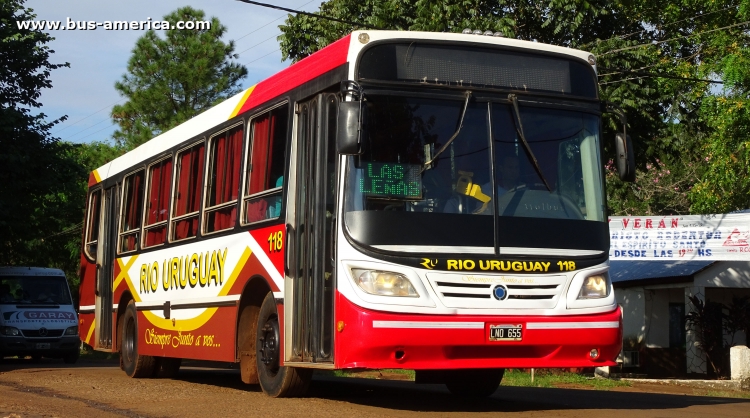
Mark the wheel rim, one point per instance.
(128, 341)
(268, 347)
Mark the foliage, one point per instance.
(170, 79)
(738, 318)
(651, 57)
(706, 320)
(37, 175)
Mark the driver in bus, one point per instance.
(510, 177)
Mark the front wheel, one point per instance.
(474, 383)
(134, 364)
(275, 380)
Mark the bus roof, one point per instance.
(30, 271)
(338, 53)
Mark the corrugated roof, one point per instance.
(628, 271)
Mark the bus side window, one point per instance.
(159, 180)
(92, 223)
(225, 151)
(265, 173)
(132, 207)
(187, 191)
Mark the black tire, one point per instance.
(166, 367)
(474, 383)
(134, 364)
(72, 357)
(36, 358)
(276, 381)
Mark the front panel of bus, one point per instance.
(473, 228)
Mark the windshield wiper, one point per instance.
(519, 128)
(455, 134)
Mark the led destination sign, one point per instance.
(391, 180)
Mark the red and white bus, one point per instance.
(425, 201)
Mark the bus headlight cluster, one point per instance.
(71, 331)
(595, 287)
(10, 331)
(384, 283)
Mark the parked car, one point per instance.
(37, 317)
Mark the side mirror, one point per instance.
(348, 137)
(625, 160)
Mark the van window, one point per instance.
(34, 290)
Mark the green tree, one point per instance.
(170, 79)
(37, 175)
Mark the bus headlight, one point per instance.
(595, 287)
(384, 283)
(71, 331)
(10, 331)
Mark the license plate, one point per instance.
(42, 346)
(506, 332)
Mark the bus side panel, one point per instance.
(210, 340)
(86, 301)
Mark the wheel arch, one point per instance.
(251, 299)
(122, 304)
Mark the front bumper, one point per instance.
(379, 340)
(48, 347)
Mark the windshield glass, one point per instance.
(34, 290)
(406, 132)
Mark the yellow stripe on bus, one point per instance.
(97, 176)
(125, 276)
(242, 102)
(91, 332)
(192, 324)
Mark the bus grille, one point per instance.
(473, 291)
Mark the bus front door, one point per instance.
(310, 225)
(105, 258)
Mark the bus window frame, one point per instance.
(246, 172)
(201, 189)
(89, 215)
(121, 217)
(146, 200)
(206, 186)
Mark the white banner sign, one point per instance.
(686, 237)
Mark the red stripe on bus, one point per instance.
(303, 71)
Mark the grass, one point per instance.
(546, 378)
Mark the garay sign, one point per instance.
(689, 237)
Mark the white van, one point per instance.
(37, 317)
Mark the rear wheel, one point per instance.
(275, 380)
(474, 383)
(134, 364)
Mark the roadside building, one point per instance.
(654, 296)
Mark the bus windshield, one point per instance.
(18, 290)
(466, 180)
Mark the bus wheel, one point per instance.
(276, 381)
(167, 367)
(72, 357)
(474, 383)
(134, 364)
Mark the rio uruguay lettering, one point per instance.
(181, 272)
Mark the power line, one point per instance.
(261, 42)
(271, 6)
(643, 74)
(111, 125)
(82, 119)
(257, 59)
(74, 228)
(84, 130)
(627, 48)
(660, 26)
(261, 27)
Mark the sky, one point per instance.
(85, 92)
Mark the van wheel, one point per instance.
(276, 381)
(474, 383)
(134, 364)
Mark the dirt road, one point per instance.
(99, 389)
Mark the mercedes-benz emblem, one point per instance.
(500, 292)
(42, 332)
